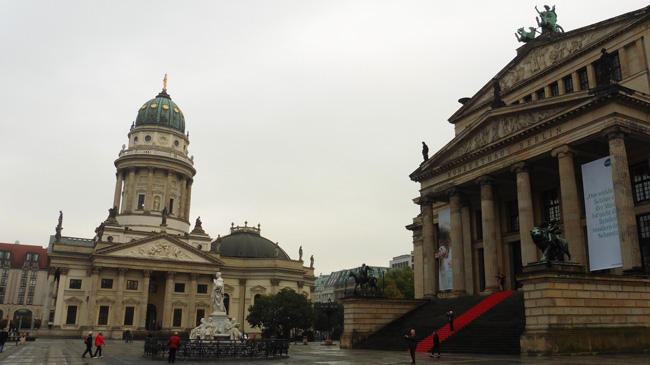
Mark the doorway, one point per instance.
(150, 325)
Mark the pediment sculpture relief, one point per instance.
(160, 250)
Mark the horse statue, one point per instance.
(525, 37)
(363, 278)
(546, 238)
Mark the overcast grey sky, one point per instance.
(304, 116)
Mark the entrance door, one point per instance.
(151, 317)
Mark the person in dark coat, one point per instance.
(436, 344)
(174, 343)
(89, 345)
(4, 335)
(412, 340)
(450, 317)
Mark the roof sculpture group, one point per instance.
(547, 22)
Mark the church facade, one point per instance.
(145, 269)
(559, 135)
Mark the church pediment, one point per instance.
(544, 54)
(73, 300)
(160, 247)
(258, 289)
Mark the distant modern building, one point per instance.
(320, 295)
(146, 268)
(401, 262)
(23, 281)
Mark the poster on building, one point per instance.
(444, 250)
(600, 211)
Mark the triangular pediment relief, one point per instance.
(73, 300)
(202, 303)
(545, 54)
(178, 303)
(159, 247)
(258, 289)
(130, 301)
(228, 288)
(105, 300)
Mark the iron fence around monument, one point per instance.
(215, 349)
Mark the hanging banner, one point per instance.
(600, 212)
(444, 250)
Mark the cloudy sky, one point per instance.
(304, 116)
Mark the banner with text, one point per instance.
(444, 250)
(600, 211)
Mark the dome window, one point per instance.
(147, 138)
(153, 106)
(135, 139)
(176, 143)
(165, 107)
(144, 106)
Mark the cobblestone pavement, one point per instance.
(68, 351)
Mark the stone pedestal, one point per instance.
(571, 311)
(220, 319)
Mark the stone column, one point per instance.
(168, 193)
(526, 217)
(489, 234)
(167, 307)
(144, 300)
(242, 303)
(571, 202)
(191, 316)
(118, 319)
(59, 310)
(130, 191)
(49, 292)
(274, 286)
(428, 252)
(118, 189)
(627, 228)
(148, 200)
(467, 248)
(181, 208)
(188, 199)
(92, 297)
(457, 249)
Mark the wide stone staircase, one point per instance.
(483, 324)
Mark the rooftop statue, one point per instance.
(547, 20)
(547, 238)
(425, 151)
(362, 277)
(525, 37)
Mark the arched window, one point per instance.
(25, 313)
(257, 296)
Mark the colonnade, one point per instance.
(126, 187)
(571, 204)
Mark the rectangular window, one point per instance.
(178, 316)
(179, 287)
(103, 315)
(21, 292)
(3, 282)
(202, 289)
(513, 212)
(2, 299)
(23, 282)
(583, 79)
(528, 98)
(479, 224)
(153, 288)
(640, 177)
(128, 316)
(34, 274)
(5, 273)
(32, 283)
(551, 206)
(171, 206)
(30, 300)
(71, 317)
(2, 290)
(30, 291)
(21, 300)
(200, 314)
(140, 202)
(541, 94)
(555, 89)
(75, 284)
(35, 265)
(34, 256)
(131, 285)
(107, 283)
(24, 274)
(616, 67)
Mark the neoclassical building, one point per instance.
(521, 155)
(145, 269)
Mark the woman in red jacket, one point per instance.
(99, 341)
(174, 343)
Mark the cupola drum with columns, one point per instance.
(154, 171)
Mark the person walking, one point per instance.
(4, 335)
(99, 342)
(89, 345)
(450, 317)
(174, 343)
(436, 344)
(413, 344)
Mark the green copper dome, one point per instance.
(161, 111)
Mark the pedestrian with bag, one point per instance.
(89, 345)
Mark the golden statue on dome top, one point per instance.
(165, 83)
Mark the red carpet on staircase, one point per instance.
(461, 321)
